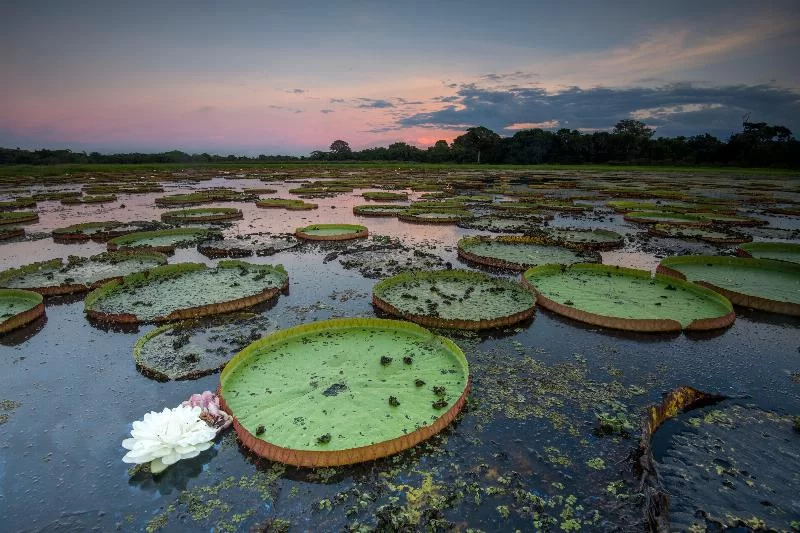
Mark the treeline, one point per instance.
(630, 142)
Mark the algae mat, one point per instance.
(185, 290)
(343, 391)
(624, 298)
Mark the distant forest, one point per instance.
(630, 142)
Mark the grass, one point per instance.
(59, 170)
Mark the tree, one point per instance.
(635, 128)
(477, 145)
(439, 152)
(341, 150)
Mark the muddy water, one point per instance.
(523, 455)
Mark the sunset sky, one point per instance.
(290, 77)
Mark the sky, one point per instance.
(269, 77)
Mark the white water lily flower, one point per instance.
(167, 437)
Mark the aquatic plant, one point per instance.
(162, 439)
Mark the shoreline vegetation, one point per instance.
(79, 170)
(758, 149)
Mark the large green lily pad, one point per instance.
(195, 348)
(18, 308)
(185, 290)
(201, 214)
(630, 299)
(385, 196)
(431, 216)
(454, 299)
(709, 235)
(282, 203)
(378, 210)
(502, 224)
(78, 274)
(764, 284)
(17, 217)
(343, 391)
(782, 251)
(590, 239)
(331, 232)
(162, 240)
(519, 253)
(666, 217)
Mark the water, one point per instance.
(523, 453)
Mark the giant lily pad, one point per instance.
(99, 199)
(17, 217)
(18, 308)
(281, 203)
(164, 241)
(103, 230)
(201, 214)
(10, 232)
(184, 291)
(378, 210)
(709, 235)
(331, 232)
(385, 196)
(454, 299)
(628, 299)
(782, 251)
(502, 224)
(763, 284)
(204, 196)
(430, 216)
(665, 217)
(195, 348)
(343, 391)
(587, 239)
(247, 245)
(79, 274)
(519, 253)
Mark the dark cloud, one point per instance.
(677, 109)
(326, 111)
(296, 91)
(370, 103)
(337, 100)
(403, 101)
(283, 108)
(518, 75)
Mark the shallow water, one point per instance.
(523, 453)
